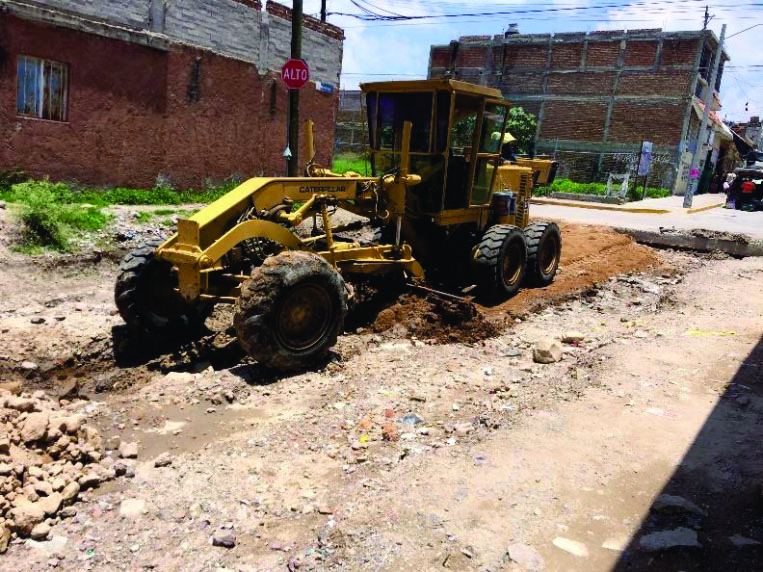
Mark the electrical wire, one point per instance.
(391, 16)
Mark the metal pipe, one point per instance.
(327, 226)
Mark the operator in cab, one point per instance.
(507, 146)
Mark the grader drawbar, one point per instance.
(441, 196)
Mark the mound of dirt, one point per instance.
(438, 319)
(590, 255)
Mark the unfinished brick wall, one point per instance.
(585, 120)
(632, 121)
(671, 83)
(567, 56)
(472, 56)
(602, 54)
(137, 112)
(532, 56)
(594, 94)
(524, 83)
(585, 83)
(640, 53)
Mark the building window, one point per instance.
(42, 88)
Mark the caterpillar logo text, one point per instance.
(321, 189)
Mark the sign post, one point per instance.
(296, 54)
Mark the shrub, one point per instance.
(10, 178)
(600, 189)
(49, 223)
(352, 162)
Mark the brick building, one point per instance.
(123, 93)
(598, 95)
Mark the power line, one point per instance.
(519, 18)
(653, 12)
(388, 17)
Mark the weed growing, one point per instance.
(62, 193)
(352, 162)
(48, 223)
(599, 189)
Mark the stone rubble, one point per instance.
(48, 455)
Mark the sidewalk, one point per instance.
(716, 219)
(666, 205)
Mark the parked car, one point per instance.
(746, 191)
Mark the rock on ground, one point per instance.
(527, 558)
(132, 507)
(572, 546)
(547, 351)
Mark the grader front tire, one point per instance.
(291, 311)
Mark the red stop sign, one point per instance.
(295, 74)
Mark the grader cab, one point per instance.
(441, 197)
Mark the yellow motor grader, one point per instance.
(441, 196)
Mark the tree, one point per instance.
(522, 126)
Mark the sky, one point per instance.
(383, 50)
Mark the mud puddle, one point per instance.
(180, 428)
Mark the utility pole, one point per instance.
(699, 150)
(323, 10)
(296, 54)
(707, 18)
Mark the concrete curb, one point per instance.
(688, 242)
(622, 208)
(597, 206)
(705, 208)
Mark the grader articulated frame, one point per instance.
(437, 196)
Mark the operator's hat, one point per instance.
(507, 137)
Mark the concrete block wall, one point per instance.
(594, 93)
(226, 27)
(132, 13)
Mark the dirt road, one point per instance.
(406, 455)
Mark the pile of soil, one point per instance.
(590, 255)
(436, 319)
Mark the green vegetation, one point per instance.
(522, 126)
(600, 189)
(10, 178)
(54, 213)
(62, 193)
(352, 162)
(49, 224)
(144, 216)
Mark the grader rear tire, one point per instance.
(501, 258)
(291, 311)
(150, 305)
(544, 250)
